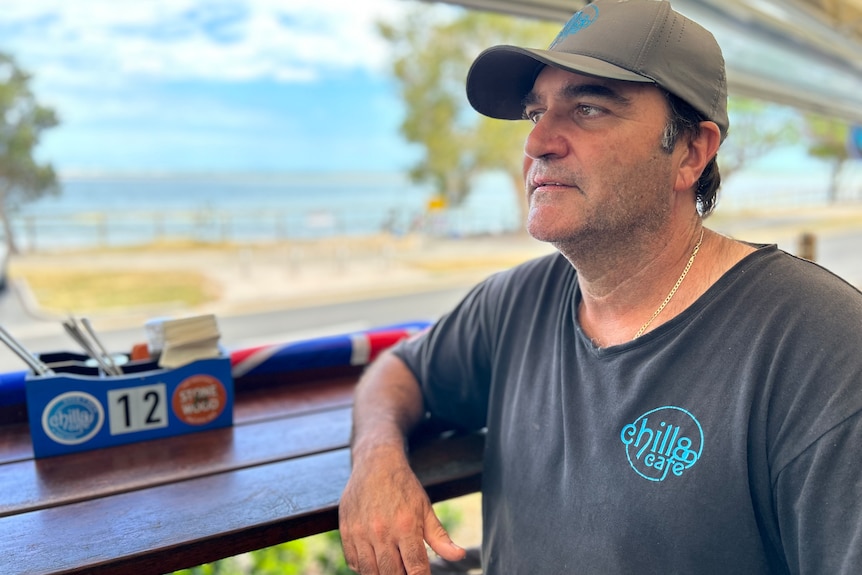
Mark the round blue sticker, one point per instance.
(73, 417)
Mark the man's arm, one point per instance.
(818, 498)
(385, 516)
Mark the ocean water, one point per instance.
(114, 210)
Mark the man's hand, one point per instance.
(385, 518)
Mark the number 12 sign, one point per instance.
(138, 408)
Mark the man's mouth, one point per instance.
(548, 184)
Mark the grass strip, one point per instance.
(72, 291)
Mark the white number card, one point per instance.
(133, 409)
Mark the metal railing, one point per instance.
(42, 232)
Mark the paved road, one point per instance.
(840, 252)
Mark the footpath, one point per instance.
(257, 278)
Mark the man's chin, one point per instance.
(546, 228)
(543, 235)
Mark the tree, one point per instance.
(756, 128)
(828, 139)
(22, 121)
(432, 52)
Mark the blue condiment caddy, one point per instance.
(78, 407)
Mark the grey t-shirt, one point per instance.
(727, 440)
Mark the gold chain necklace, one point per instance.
(674, 288)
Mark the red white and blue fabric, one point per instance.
(358, 348)
(339, 350)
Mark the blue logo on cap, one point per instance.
(576, 23)
(73, 417)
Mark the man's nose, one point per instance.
(546, 139)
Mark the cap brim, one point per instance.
(502, 76)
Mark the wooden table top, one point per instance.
(167, 504)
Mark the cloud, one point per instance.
(222, 40)
(163, 84)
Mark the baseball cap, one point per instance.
(633, 40)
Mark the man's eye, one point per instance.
(533, 115)
(588, 110)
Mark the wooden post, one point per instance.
(807, 246)
(102, 229)
(31, 233)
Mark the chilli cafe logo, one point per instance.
(73, 417)
(665, 441)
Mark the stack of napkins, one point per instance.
(184, 340)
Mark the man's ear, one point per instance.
(696, 155)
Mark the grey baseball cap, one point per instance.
(634, 40)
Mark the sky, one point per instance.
(209, 86)
(150, 86)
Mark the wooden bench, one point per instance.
(168, 504)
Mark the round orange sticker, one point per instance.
(199, 399)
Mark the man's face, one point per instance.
(593, 166)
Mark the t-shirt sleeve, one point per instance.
(452, 360)
(818, 498)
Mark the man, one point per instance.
(658, 398)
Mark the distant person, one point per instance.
(658, 398)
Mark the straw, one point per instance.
(115, 369)
(72, 328)
(35, 364)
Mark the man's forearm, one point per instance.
(385, 516)
(387, 405)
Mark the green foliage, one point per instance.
(827, 140)
(331, 556)
(319, 554)
(449, 515)
(827, 137)
(756, 127)
(432, 52)
(22, 121)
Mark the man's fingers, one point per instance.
(385, 532)
(350, 555)
(403, 553)
(438, 539)
(415, 557)
(366, 560)
(389, 561)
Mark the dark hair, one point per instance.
(683, 120)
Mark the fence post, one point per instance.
(225, 228)
(280, 226)
(159, 226)
(102, 224)
(30, 226)
(807, 246)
